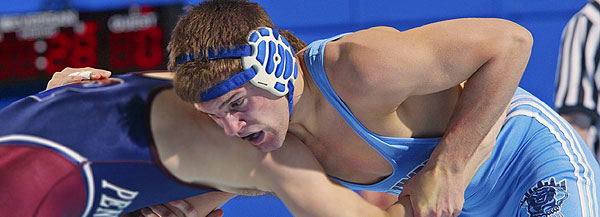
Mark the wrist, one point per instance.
(448, 159)
(447, 165)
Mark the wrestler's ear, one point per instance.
(197, 106)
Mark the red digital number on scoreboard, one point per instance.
(141, 49)
(37, 45)
(72, 50)
(16, 57)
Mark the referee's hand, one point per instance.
(76, 75)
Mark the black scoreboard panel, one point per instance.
(35, 45)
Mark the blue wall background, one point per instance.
(315, 19)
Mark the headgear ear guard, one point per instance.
(268, 60)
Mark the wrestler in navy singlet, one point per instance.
(539, 166)
(84, 150)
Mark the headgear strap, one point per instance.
(268, 60)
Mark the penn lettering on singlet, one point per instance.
(102, 128)
(111, 205)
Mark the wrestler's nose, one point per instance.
(232, 124)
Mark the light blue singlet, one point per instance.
(539, 166)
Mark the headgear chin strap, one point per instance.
(268, 60)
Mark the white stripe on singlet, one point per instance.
(581, 165)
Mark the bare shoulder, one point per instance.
(363, 38)
(384, 66)
(160, 75)
(358, 65)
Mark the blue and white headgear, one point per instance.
(268, 60)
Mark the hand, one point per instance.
(76, 75)
(438, 189)
(435, 191)
(179, 208)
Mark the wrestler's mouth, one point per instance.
(251, 136)
(255, 138)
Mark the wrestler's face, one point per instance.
(252, 114)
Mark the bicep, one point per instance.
(422, 60)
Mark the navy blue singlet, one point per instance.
(101, 129)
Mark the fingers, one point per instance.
(424, 211)
(75, 75)
(87, 73)
(99, 74)
(216, 213)
(72, 79)
(158, 211)
(84, 74)
(147, 212)
(176, 208)
(58, 81)
(184, 207)
(403, 194)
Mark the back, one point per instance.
(107, 113)
(96, 136)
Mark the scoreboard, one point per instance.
(35, 45)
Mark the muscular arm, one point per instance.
(392, 66)
(232, 165)
(298, 180)
(195, 150)
(490, 53)
(492, 80)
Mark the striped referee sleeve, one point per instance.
(578, 77)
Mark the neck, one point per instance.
(303, 99)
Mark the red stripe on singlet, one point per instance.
(37, 181)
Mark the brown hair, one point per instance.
(210, 25)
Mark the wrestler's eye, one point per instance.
(214, 117)
(237, 104)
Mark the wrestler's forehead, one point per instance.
(217, 103)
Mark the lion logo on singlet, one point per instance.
(545, 198)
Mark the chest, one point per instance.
(345, 155)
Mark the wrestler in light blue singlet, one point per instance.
(539, 166)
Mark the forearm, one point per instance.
(335, 200)
(482, 102)
(297, 178)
